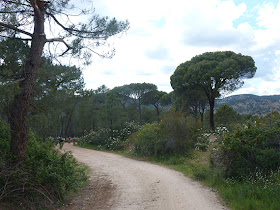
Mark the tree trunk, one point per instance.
(93, 125)
(111, 123)
(67, 126)
(202, 108)
(195, 110)
(22, 101)
(201, 117)
(123, 105)
(212, 104)
(157, 109)
(61, 127)
(140, 112)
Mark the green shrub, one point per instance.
(42, 180)
(49, 166)
(248, 149)
(176, 134)
(4, 148)
(4, 137)
(270, 120)
(202, 141)
(181, 131)
(129, 128)
(87, 138)
(149, 142)
(226, 116)
(110, 139)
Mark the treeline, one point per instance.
(62, 107)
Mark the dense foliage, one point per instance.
(108, 138)
(248, 149)
(226, 116)
(148, 141)
(41, 181)
(175, 134)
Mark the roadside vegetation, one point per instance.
(43, 180)
(241, 164)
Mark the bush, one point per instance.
(270, 120)
(42, 180)
(181, 131)
(148, 141)
(176, 133)
(110, 139)
(4, 144)
(246, 150)
(202, 141)
(226, 116)
(87, 138)
(129, 128)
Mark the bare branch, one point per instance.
(13, 2)
(71, 30)
(61, 40)
(65, 52)
(12, 12)
(18, 38)
(15, 81)
(15, 29)
(57, 40)
(102, 56)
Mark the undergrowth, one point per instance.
(42, 181)
(242, 166)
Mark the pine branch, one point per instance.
(17, 38)
(77, 32)
(61, 40)
(15, 29)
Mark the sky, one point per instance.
(163, 34)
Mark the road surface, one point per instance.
(118, 182)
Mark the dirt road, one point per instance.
(123, 183)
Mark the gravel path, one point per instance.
(140, 185)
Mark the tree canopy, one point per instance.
(154, 98)
(139, 93)
(25, 20)
(215, 73)
(226, 115)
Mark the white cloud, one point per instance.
(164, 34)
(159, 52)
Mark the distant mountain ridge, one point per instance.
(251, 104)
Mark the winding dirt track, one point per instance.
(141, 185)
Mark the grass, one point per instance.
(255, 192)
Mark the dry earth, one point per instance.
(118, 182)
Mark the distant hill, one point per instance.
(251, 104)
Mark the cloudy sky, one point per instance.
(164, 34)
